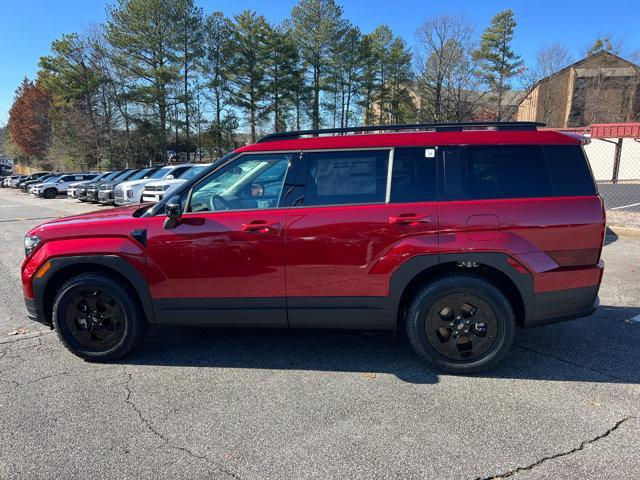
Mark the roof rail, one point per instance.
(436, 127)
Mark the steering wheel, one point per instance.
(213, 199)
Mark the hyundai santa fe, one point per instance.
(455, 233)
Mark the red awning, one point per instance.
(615, 130)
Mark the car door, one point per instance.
(363, 213)
(224, 263)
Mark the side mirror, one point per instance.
(173, 211)
(169, 177)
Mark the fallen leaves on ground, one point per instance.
(19, 331)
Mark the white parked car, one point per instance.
(130, 192)
(71, 190)
(156, 191)
(35, 186)
(54, 187)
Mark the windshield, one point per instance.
(192, 172)
(101, 176)
(54, 179)
(164, 171)
(142, 173)
(112, 175)
(123, 175)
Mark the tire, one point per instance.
(50, 193)
(124, 334)
(447, 333)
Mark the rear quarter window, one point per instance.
(569, 170)
(507, 172)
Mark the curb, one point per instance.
(627, 232)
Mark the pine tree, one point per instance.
(142, 34)
(317, 27)
(190, 50)
(215, 68)
(248, 66)
(497, 61)
(282, 74)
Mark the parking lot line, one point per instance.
(625, 206)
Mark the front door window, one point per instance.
(253, 182)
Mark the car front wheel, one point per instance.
(461, 324)
(97, 318)
(51, 193)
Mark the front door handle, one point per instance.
(409, 219)
(258, 226)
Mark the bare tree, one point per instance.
(550, 60)
(445, 72)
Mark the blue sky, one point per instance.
(27, 27)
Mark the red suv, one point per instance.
(456, 233)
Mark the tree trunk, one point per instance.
(315, 114)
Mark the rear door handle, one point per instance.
(258, 226)
(410, 219)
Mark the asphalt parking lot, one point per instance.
(247, 404)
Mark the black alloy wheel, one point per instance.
(98, 317)
(94, 319)
(461, 323)
(461, 326)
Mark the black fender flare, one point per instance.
(401, 278)
(111, 262)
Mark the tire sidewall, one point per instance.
(503, 313)
(62, 301)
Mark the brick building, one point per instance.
(600, 88)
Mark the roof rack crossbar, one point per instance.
(437, 127)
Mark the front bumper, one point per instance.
(105, 196)
(34, 313)
(92, 196)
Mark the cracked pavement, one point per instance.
(259, 404)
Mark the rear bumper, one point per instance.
(562, 305)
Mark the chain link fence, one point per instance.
(615, 163)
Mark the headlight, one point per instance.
(31, 242)
(129, 192)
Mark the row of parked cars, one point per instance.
(117, 187)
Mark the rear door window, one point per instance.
(414, 175)
(569, 170)
(346, 177)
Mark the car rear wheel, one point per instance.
(50, 193)
(461, 324)
(97, 318)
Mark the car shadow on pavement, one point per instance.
(602, 348)
(610, 237)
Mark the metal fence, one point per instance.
(615, 163)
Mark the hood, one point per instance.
(110, 214)
(173, 181)
(109, 183)
(112, 222)
(76, 184)
(136, 183)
